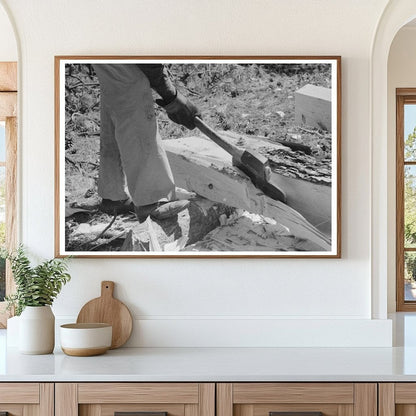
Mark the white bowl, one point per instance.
(84, 340)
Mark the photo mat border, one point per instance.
(336, 173)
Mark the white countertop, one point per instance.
(222, 364)
(215, 364)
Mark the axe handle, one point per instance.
(253, 165)
(234, 151)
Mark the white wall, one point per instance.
(401, 74)
(8, 47)
(196, 302)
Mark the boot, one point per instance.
(116, 207)
(160, 210)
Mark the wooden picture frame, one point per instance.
(276, 193)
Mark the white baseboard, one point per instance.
(189, 332)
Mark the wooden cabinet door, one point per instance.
(397, 399)
(26, 399)
(297, 399)
(143, 399)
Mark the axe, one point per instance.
(254, 165)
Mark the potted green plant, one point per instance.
(36, 289)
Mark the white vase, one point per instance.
(37, 330)
(12, 334)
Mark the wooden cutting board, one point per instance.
(107, 309)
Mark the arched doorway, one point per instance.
(396, 15)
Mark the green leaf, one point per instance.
(35, 286)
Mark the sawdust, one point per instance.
(251, 232)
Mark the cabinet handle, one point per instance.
(138, 414)
(295, 413)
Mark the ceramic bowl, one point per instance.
(83, 340)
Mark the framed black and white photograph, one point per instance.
(198, 156)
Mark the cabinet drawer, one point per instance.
(297, 399)
(138, 393)
(397, 399)
(147, 399)
(21, 399)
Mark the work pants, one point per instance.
(130, 145)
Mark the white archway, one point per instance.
(395, 16)
(9, 47)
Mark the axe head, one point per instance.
(257, 168)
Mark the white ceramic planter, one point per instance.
(12, 334)
(37, 330)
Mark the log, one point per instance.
(313, 107)
(312, 200)
(200, 166)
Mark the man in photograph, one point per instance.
(131, 152)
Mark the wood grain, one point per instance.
(46, 402)
(107, 309)
(340, 393)
(405, 393)
(15, 409)
(57, 159)
(365, 399)
(8, 76)
(311, 200)
(207, 399)
(405, 410)
(203, 167)
(8, 105)
(30, 410)
(339, 156)
(19, 393)
(244, 410)
(400, 306)
(47, 399)
(386, 399)
(110, 409)
(11, 196)
(190, 410)
(403, 96)
(265, 409)
(224, 399)
(11, 207)
(199, 57)
(66, 399)
(346, 410)
(138, 393)
(405, 91)
(91, 410)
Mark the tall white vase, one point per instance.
(37, 330)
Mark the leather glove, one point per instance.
(181, 111)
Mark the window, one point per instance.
(2, 206)
(8, 165)
(406, 199)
